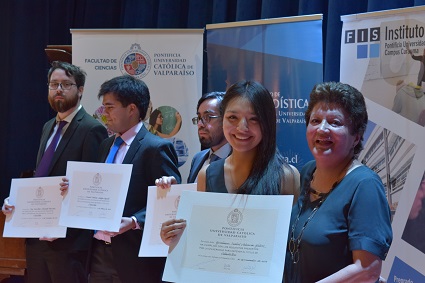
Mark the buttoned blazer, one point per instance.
(152, 157)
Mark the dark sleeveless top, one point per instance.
(215, 177)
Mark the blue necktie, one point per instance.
(46, 160)
(114, 150)
(110, 159)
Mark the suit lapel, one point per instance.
(106, 148)
(67, 136)
(197, 167)
(135, 145)
(44, 138)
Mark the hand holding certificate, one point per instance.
(37, 204)
(237, 238)
(162, 206)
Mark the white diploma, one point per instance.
(37, 204)
(230, 238)
(162, 206)
(96, 195)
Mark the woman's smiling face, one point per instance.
(328, 133)
(241, 126)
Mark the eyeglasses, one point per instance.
(64, 86)
(204, 119)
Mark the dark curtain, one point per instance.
(27, 26)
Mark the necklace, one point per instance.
(317, 193)
(294, 243)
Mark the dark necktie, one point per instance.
(114, 149)
(213, 158)
(46, 160)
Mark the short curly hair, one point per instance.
(347, 97)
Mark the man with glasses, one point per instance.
(210, 133)
(211, 137)
(73, 135)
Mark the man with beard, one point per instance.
(210, 133)
(211, 137)
(63, 260)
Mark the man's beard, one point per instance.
(69, 101)
(205, 143)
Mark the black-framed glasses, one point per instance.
(64, 86)
(204, 119)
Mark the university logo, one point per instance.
(176, 202)
(135, 62)
(97, 179)
(367, 41)
(234, 218)
(39, 193)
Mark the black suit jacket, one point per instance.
(152, 157)
(80, 142)
(198, 161)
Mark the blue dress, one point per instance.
(354, 216)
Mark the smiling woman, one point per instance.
(255, 166)
(333, 218)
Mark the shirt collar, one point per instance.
(131, 133)
(70, 116)
(223, 151)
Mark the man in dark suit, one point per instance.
(210, 133)
(115, 254)
(63, 260)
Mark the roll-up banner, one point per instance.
(383, 55)
(285, 55)
(168, 61)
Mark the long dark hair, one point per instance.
(152, 119)
(267, 171)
